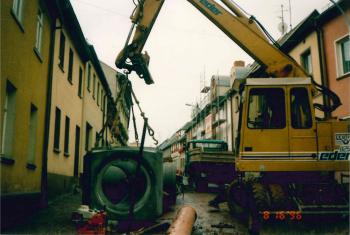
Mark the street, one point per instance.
(55, 219)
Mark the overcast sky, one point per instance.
(184, 47)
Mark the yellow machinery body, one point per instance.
(286, 136)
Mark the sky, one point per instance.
(185, 48)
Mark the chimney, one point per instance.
(238, 63)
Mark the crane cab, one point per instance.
(279, 131)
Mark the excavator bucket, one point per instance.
(138, 63)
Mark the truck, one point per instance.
(285, 159)
(208, 161)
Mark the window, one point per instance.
(88, 77)
(66, 136)
(33, 123)
(56, 142)
(9, 121)
(98, 93)
(70, 65)
(300, 108)
(77, 151)
(97, 140)
(306, 61)
(343, 56)
(266, 108)
(39, 31)
(61, 52)
(88, 136)
(80, 85)
(102, 98)
(17, 9)
(94, 86)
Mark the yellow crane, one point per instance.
(285, 159)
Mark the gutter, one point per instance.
(323, 65)
(44, 196)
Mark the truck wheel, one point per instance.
(261, 196)
(253, 224)
(257, 198)
(237, 199)
(200, 185)
(277, 195)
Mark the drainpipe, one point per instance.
(48, 114)
(232, 122)
(323, 64)
(104, 119)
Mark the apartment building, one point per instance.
(25, 59)
(121, 97)
(335, 31)
(79, 103)
(320, 43)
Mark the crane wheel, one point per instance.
(277, 195)
(261, 196)
(237, 199)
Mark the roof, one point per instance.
(98, 68)
(299, 32)
(186, 126)
(278, 81)
(65, 13)
(168, 142)
(333, 11)
(206, 141)
(111, 77)
(221, 80)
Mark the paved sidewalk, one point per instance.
(55, 219)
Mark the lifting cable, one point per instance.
(136, 176)
(148, 127)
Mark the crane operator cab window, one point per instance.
(300, 108)
(266, 108)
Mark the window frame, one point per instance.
(70, 65)
(340, 55)
(61, 52)
(80, 83)
(66, 136)
(39, 31)
(94, 86)
(98, 93)
(88, 85)
(57, 130)
(32, 134)
(17, 12)
(8, 135)
(285, 109)
(307, 54)
(291, 111)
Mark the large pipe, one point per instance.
(183, 222)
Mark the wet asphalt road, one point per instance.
(55, 219)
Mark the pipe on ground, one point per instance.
(183, 221)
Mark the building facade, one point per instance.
(320, 43)
(121, 99)
(25, 59)
(335, 28)
(78, 103)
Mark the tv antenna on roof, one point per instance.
(282, 26)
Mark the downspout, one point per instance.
(323, 64)
(104, 119)
(47, 115)
(232, 123)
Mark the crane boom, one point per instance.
(232, 21)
